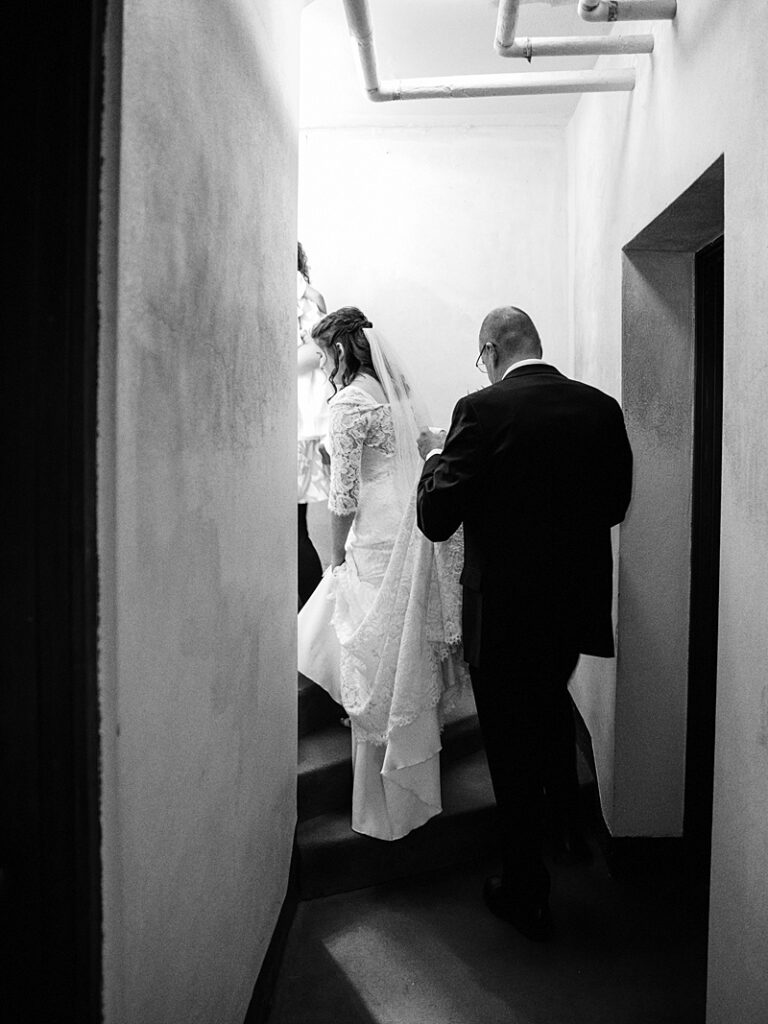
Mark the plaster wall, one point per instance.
(197, 425)
(700, 95)
(428, 228)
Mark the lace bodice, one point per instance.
(362, 446)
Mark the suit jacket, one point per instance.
(538, 468)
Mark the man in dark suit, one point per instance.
(538, 468)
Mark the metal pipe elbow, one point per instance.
(597, 10)
(627, 10)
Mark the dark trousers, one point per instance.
(526, 719)
(310, 569)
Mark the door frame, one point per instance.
(658, 344)
(705, 550)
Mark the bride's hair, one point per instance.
(303, 263)
(345, 327)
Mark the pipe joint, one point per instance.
(627, 10)
(506, 23)
(578, 46)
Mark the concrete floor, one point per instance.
(426, 951)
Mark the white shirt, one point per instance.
(509, 369)
(520, 362)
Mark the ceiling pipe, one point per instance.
(533, 84)
(506, 24)
(627, 10)
(575, 46)
(463, 87)
(361, 30)
(506, 45)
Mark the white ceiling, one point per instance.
(425, 38)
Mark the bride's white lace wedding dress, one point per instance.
(382, 632)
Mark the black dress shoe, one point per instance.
(572, 848)
(532, 920)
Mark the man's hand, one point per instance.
(429, 439)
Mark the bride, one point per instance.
(382, 631)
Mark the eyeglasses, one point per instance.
(479, 364)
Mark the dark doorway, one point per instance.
(49, 849)
(705, 557)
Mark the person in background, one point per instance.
(313, 394)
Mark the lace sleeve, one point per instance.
(347, 431)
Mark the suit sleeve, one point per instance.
(449, 479)
(619, 477)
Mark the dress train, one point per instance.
(383, 637)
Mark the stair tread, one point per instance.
(466, 788)
(304, 683)
(333, 858)
(324, 748)
(331, 744)
(316, 709)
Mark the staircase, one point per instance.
(331, 857)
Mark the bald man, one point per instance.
(537, 468)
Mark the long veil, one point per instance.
(408, 409)
(404, 657)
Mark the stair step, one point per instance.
(324, 781)
(316, 708)
(333, 858)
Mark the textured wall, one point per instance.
(630, 156)
(198, 570)
(427, 229)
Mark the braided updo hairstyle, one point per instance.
(345, 327)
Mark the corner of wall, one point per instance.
(111, 859)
